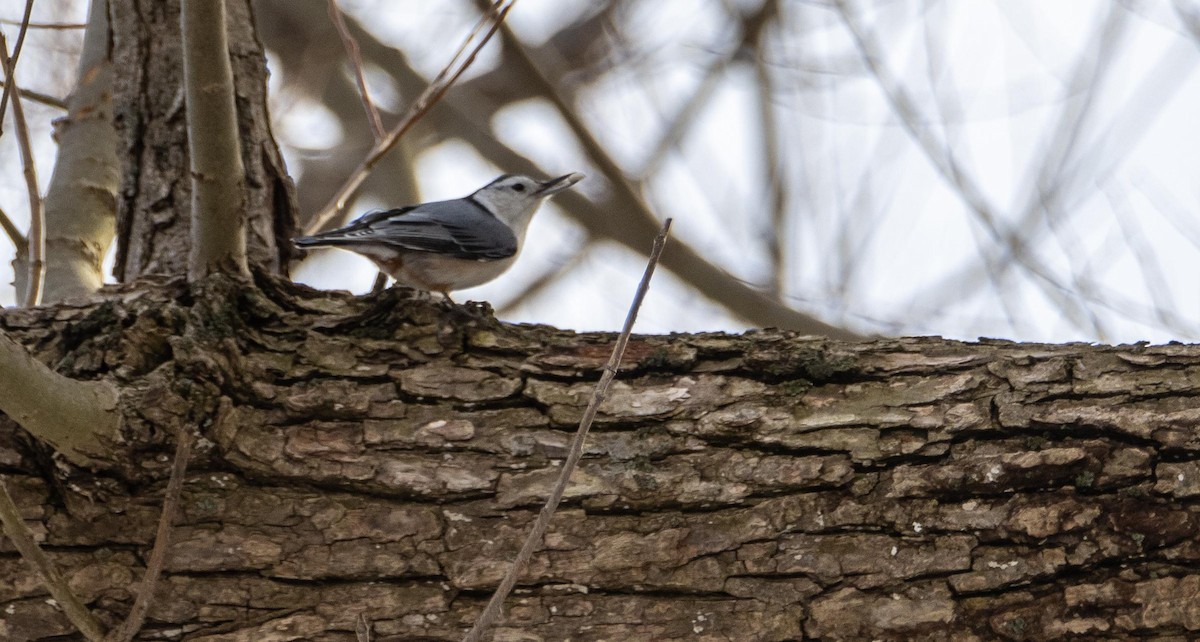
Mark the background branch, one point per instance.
(428, 98)
(355, 56)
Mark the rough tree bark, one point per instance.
(155, 202)
(383, 455)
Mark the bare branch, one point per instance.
(218, 177)
(355, 55)
(534, 539)
(77, 418)
(637, 216)
(162, 543)
(40, 98)
(52, 26)
(1155, 280)
(428, 98)
(1189, 17)
(37, 238)
(774, 232)
(1062, 172)
(22, 539)
(14, 234)
(81, 200)
(464, 116)
(16, 54)
(944, 161)
(684, 118)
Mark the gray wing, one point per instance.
(459, 228)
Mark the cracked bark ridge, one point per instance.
(385, 455)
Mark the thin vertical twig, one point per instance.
(355, 55)
(534, 539)
(16, 53)
(23, 540)
(162, 543)
(428, 98)
(362, 628)
(37, 237)
(774, 233)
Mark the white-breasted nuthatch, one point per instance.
(448, 245)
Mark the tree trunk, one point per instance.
(155, 200)
(81, 199)
(384, 455)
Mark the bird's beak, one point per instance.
(556, 185)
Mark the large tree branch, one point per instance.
(77, 418)
(781, 487)
(218, 189)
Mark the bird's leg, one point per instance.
(380, 283)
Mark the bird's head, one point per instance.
(514, 198)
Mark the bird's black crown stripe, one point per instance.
(472, 200)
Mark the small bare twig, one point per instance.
(162, 543)
(428, 98)
(53, 26)
(37, 237)
(40, 98)
(534, 539)
(14, 234)
(352, 50)
(16, 53)
(23, 540)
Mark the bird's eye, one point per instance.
(519, 187)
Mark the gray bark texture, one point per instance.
(384, 456)
(154, 205)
